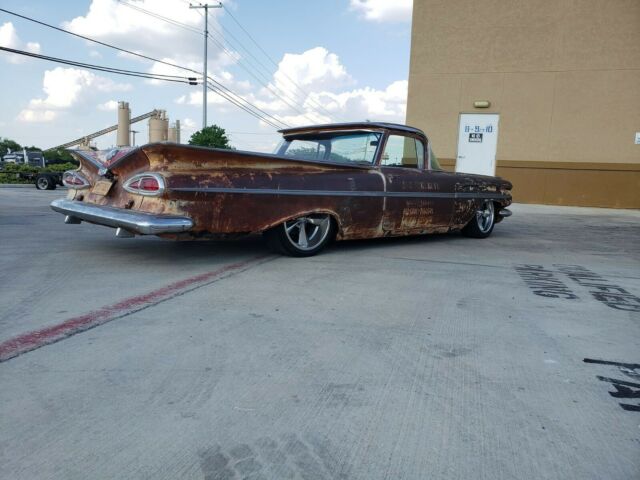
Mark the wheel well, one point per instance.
(333, 215)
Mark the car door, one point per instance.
(417, 198)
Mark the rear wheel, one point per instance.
(303, 236)
(45, 182)
(481, 225)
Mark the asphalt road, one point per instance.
(438, 357)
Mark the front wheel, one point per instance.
(482, 223)
(303, 236)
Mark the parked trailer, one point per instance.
(42, 180)
(45, 180)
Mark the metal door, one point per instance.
(477, 143)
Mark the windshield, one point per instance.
(356, 147)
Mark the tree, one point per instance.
(6, 145)
(211, 136)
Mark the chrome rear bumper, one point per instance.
(130, 220)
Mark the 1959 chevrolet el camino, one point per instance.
(344, 181)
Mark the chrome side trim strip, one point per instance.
(133, 221)
(338, 193)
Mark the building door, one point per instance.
(477, 143)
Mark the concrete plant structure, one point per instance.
(174, 132)
(124, 125)
(159, 127)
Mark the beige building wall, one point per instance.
(564, 76)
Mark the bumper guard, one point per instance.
(132, 221)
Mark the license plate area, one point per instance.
(102, 187)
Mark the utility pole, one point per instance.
(204, 72)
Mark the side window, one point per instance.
(401, 151)
(435, 165)
(420, 151)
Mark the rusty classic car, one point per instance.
(337, 181)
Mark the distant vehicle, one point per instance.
(32, 158)
(43, 180)
(344, 181)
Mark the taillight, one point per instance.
(145, 184)
(73, 179)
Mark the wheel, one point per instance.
(44, 182)
(481, 225)
(303, 236)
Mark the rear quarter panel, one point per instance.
(192, 174)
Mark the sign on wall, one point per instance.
(477, 143)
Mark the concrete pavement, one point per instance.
(436, 357)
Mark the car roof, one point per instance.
(351, 126)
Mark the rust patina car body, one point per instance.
(213, 193)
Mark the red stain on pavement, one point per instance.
(38, 338)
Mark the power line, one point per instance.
(250, 133)
(273, 61)
(288, 94)
(24, 17)
(265, 85)
(275, 123)
(192, 29)
(119, 71)
(241, 45)
(242, 107)
(174, 78)
(220, 85)
(161, 17)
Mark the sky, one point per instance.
(298, 62)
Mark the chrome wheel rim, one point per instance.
(43, 183)
(485, 216)
(306, 233)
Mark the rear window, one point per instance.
(357, 147)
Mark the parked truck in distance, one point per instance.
(32, 167)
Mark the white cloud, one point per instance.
(95, 54)
(188, 124)
(288, 94)
(9, 38)
(324, 78)
(313, 69)
(108, 106)
(114, 22)
(354, 105)
(64, 88)
(37, 116)
(384, 10)
(368, 103)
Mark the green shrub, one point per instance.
(9, 172)
(61, 167)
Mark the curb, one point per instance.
(25, 185)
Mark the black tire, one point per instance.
(320, 229)
(45, 182)
(482, 223)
